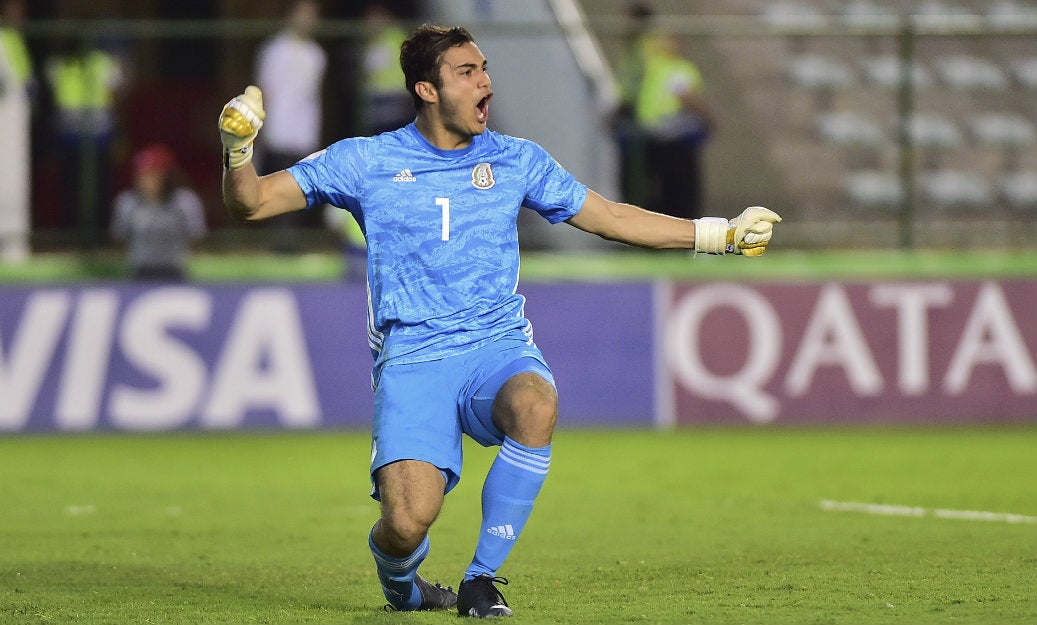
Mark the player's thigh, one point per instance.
(416, 418)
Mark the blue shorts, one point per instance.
(421, 409)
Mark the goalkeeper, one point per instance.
(438, 201)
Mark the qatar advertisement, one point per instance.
(862, 352)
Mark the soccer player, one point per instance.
(454, 354)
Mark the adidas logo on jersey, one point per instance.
(404, 176)
(507, 532)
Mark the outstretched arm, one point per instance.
(633, 225)
(747, 234)
(245, 194)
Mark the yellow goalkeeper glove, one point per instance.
(240, 122)
(748, 234)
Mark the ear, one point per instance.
(426, 91)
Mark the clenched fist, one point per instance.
(240, 122)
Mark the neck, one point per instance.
(436, 133)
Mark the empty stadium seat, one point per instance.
(970, 73)
(935, 15)
(1024, 71)
(933, 130)
(848, 129)
(868, 14)
(952, 188)
(1019, 190)
(1002, 129)
(874, 189)
(819, 72)
(933, 134)
(792, 15)
(1012, 15)
(885, 71)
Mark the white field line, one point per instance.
(915, 511)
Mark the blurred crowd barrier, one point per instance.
(870, 129)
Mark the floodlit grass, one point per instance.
(690, 526)
(621, 264)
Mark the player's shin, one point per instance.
(511, 487)
(396, 575)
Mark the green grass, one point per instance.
(690, 526)
(621, 264)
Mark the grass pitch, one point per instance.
(620, 263)
(690, 526)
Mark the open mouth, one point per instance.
(482, 109)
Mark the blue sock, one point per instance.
(397, 575)
(511, 486)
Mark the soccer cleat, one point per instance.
(434, 596)
(479, 597)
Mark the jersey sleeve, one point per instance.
(551, 190)
(332, 176)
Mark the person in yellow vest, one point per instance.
(386, 104)
(16, 90)
(84, 83)
(672, 114)
(630, 140)
(12, 14)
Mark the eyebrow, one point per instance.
(469, 65)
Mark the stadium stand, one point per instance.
(820, 82)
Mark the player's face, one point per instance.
(464, 99)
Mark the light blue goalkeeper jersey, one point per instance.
(441, 228)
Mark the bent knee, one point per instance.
(403, 527)
(526, 409)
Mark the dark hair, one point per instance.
(422, 54)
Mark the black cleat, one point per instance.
(434, 596)
(480, 598)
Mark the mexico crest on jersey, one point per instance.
(482, 176)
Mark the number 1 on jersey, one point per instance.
(444, 204)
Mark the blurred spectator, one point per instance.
(670, 118)
(630, 75)
(16, 86)
(387, 104)
(158, 217)
(85, 82)
(12, 43)
(290, 70)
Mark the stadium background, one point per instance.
(809, 124)
(882, 352)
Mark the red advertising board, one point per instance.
(859, 352)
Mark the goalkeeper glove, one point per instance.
(240, 122)
(748, 234)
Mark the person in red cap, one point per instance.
(157, 218)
